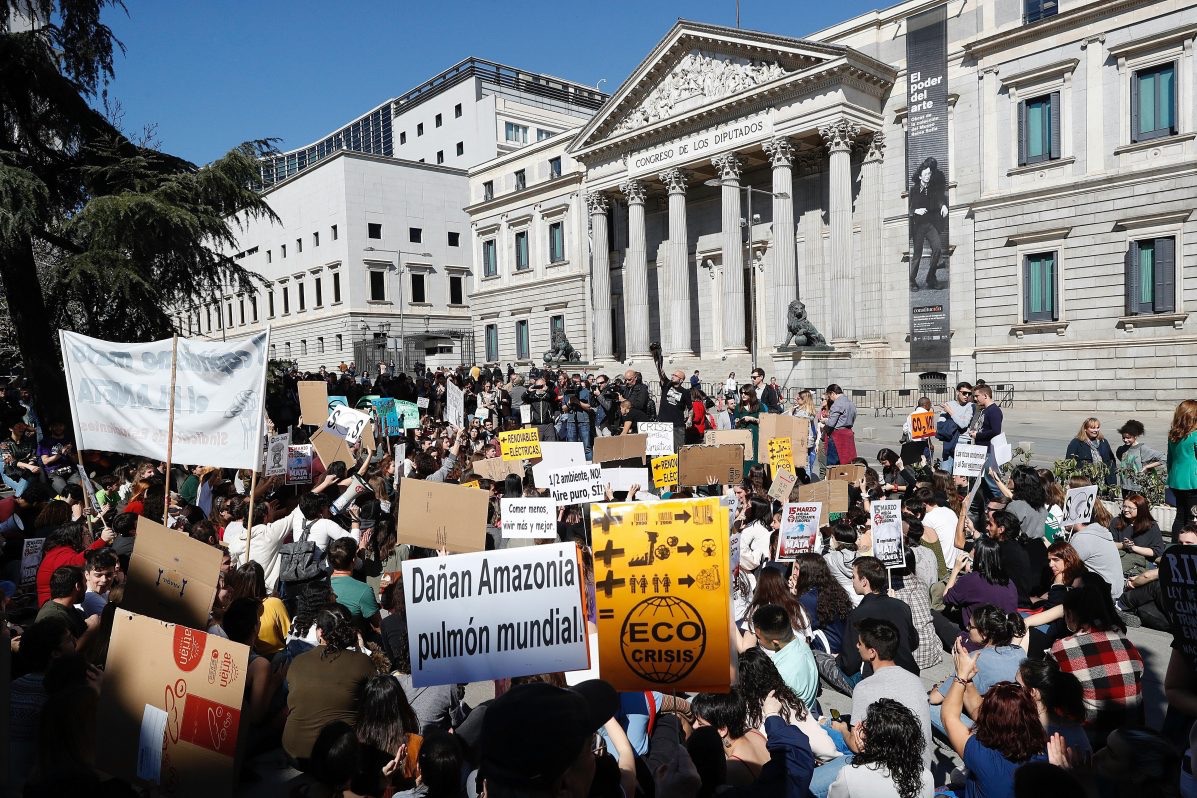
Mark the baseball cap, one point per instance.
(533, 732)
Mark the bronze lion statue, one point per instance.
(799, 327)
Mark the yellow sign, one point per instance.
(473, 483)
(663, 595)
(664, 471)
(781, 454)
(520, 444)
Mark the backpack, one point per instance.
(299, 560)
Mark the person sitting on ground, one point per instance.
(789, 651)
(1136, 535)
(992, 634)
(743, 745)
(824, 601)
(983, 582)
(890, 759)
(354, 595)
(66, 590)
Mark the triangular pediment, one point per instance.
(697, 65)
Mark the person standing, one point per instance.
(635, 391)
(956, 418)
(1090, 446)
(841, 417)
(1182, 462)
(1134, 457)
(769, 396)
(805, 408)
(985, 426)
(674, 399)
(748, 416)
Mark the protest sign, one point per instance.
(832, 497)
(407, 416)
(968, 460)
(782, 485)
(1078, 505)
(387, 420)
(777, 425)
(520, 444)
(331, 449)
(299, 464)
(922, 425)
(618, 447)
(555, 455)
(454, 405)
(525, 414)
(529, 518)
(496, 469)
(495, 614)
(422, 402)
(31, 558)
(121, 397)
(337, 401)
(1003, 452)
(171, 577)
(725, 463)
(846, 473)
(887, 533)
(481, 412)
(664, 471)
(576, 484)
(660, 437)
(276, 455)
(88, 488)
(781, 455)
(346, 423)
(313, 401)
(169, 710)
(662, 590)
(725, 437)
(624, 478)
(799, 529)
(437, 515)
(1178, 598)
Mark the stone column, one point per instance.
(678, 299)
(600, 278)
(729, 167)
(871, 266)
(1095, 56)
(782, 274)
(635, 276)
(839, 135)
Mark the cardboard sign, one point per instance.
(171, 577)
(169, 710)
(619, 447)
(697, 463)
(422, 402)
(529, 518)
(724, 437)
(495, 614)
(1003, 452)
(799, 529)
(660, 437)
(496, 469)
(576, 484)
(555, 455)
(832, 497)
(1178, 598)
(299, 464)
(520, 444)
(968, 460)
(662, 595)
(347, 423)
(525, 414)
(276, 455)
(437, 515)
(783, 485)
(454, 405)
(922, 425)
(776, 425)
(31, 558)
(1078, 505)
(332, 449)
(313, 402)
(407, 416)
(665, 471)
(624, 478)
(887, 533)
(781, 455)
(846, 473)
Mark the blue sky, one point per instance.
(214, 73)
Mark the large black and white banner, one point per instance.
(927, 188)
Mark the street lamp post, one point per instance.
(399, 253)
(749, 190)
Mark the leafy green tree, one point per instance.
(97, 233)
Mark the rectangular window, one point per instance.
(299, 295)
(556, 325)
(340, 343)
(521, 181)
(253, 308)
(454, 239)
(283, 250)
(270, 303)
(1039, 287)
(298, 245)
(1035, 10)
(490, 260)
(438, 120)
(521, 250)
(460, 148)
(378, 286)
(374, 230)
(286, 301)
(320, 345)
(208, 317)
(556, 242)
(336, 278)
(303, 346)
(457, 111)
(492, 342)
(319, 292)
(542, 134)
(287, 350)
(1039, 129)
(417, 288)
(522, 350)
(1151, 276)
(488, 192)
(269, 258)
(415, 234)
(334, 232)
(316, 239)
(402, 137)
(241, 310)
(516, 134)
(440, 156)
(230, 312)
(1153, 102)
(456, 294)
(555, 167)
(420, 129)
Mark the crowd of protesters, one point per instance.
(1045, 694)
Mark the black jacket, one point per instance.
(897, 612)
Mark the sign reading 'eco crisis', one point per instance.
(701, 144)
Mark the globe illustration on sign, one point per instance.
(663, 639)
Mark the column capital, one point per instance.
(876, 151)
(780, 151)
(675, 180)
(596, 202)
(634, 190)
(839, 134)
(729, 167)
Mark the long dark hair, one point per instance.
(384, 716)
(336, 626)
(723, 711)
(311, 597)
(771, 588)
(758, 510)
(894, 739)
(1092, 606)
(69, 534)
(1060, 691)
(758, 676)
(998, 627)
(832, 602)
(987, 561)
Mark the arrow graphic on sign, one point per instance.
(682, 516)
(685, 548)
(686, 581)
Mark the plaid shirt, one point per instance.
(1110, 670)
(912, 590)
